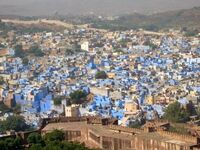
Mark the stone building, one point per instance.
(131, 107)
(114, 137)
(72, 111)
(9, 100)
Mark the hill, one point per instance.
(97, 7)
(189, 18)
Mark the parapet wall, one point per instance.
(125, 129)
(88, 120)
(181, 137)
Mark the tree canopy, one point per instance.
(78, 97)
(33, 50)
(11, 144)
(57, 101)
(35, 138)
(2, 81)
(56, 135)
(36, 51)
(19, 52)
(175, 112)
(25, 61)
(101, 75)
(16, 123)
(53, 141)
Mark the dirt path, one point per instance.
(51, 22)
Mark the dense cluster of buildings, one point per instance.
(145, 71)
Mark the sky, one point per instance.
(99, 7)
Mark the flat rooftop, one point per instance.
(81, 126)
(101, 130)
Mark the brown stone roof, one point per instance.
(114, 131)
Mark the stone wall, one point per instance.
(109, 143)
(89, 120)
(72, 135)
(144, 143)
(131, 138)
(181, 137)
(125, 129)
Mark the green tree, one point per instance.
(19, 51)
(150, 44)
(57, 101)
(35, 138)
(36, 51)
(55, 145)
(51, 141)
(101, 75)
(176, 113)
(3, 145)
(16, 123)
(74, 146)
(36, 147)
(78, 97)
(25, 61)
(191, 32)
(137, 123)
(2, 81)
(13, 143)
(55, 135)
(16, 109)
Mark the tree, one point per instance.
(36, 51)
(2, 81)
(12, 143)
(35, 138)
(16, 123)
(56, 135)
(16, 109)
(150, 44)
(51, 141)
(191, 32)
(74, 146)
(137, 123)
(36, 147)
(176, 113)
(19, 51)
(69, 51)
(101, 75)
(55, 141)
(54, 146)
(57, 101)
(25, 61)
(78, 97)
(3, 145)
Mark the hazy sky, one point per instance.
(49, 7)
